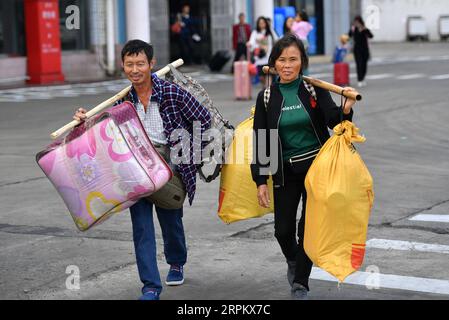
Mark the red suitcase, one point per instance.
(341, 74)
(242, 81)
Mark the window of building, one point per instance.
(12, 28)
(75, 38)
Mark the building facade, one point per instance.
(388, 20)
(90, 49)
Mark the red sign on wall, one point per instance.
(43, 41)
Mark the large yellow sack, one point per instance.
(238, 192)
(339, 201)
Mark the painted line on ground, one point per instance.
(380, 76)
(386, 244)
(388, 281)
(322, 75)
(440, 77)
(411, 76)
(431, 218)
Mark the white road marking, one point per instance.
(406, 246)
(424, 58)
(440, 77)
(411, 76)
(388, 281)
(431, 218)
(380, 76)
(322, 75)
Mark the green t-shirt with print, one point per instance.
(295, 127)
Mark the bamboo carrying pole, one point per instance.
(105, 104)
(325, 85)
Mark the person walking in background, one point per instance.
(288, 24)
(360, 35)
(341, 68)
(241, 33)
(188, 34)
(301, 28)
(261, 43)
(341, 50)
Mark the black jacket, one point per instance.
(323, 112)
(361, 44)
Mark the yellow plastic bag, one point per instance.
(339, 201)
(238, 192)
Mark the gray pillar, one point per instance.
(97, 23)
(336, 22)
(160, 32)
(222, 19)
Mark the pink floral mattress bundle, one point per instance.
(104, 166)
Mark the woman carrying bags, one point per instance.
(302, 123)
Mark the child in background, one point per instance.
(342, 49)
(341, 68)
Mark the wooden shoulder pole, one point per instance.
(107, 103)
(325, 85)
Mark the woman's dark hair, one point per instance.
(287, 41)
(267, 29)
(286, 30)
(134, 47)
(304, 16)
(359, 19)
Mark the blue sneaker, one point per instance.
(151, 294)
(175, 276)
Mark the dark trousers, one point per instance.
(361, 61)
(286, 202)
(144, 237)
(186, 48)
(240, 51)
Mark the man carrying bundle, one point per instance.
(163, 109)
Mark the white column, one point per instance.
(138, 20)
(239, 7)
(263, 8)
(110, 36)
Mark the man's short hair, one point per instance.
(134, 47)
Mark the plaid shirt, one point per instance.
(152, 122)
(179, 109)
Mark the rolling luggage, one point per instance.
(242, 81)
(219, 60)
(341, 74)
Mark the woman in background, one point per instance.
(261, 43)
(360, 35)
